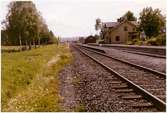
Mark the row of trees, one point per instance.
(24, 25)
(151, 21)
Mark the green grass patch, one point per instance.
(29, 78)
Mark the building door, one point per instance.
(110, 40)
(117, 38)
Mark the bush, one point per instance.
(139, 42)
(155, 41)
(135, 41)
(159, 40)
(151, 41)
(129, 43)
(100, 42)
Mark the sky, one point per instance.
(73, 18)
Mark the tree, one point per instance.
(128, 16)
(151, 21)
(24, 25)
(4, 37)
(14, 22)
(30, 24)
(56, 40)
(98, 24)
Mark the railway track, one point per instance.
(145, 84)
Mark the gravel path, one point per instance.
(158, 64)
(86, 86)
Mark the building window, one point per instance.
(125, 28)
(134, 29)
(133, 37)
(117, 38)
(109, 40)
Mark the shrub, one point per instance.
(151, 41)
(139, 42)
(129, 43)
(159, 40)
(101, 42)
(135, 41)
(156, 41)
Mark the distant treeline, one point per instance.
(24, 25)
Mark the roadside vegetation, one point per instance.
(159, 40)
(30, 64)
(30, 78)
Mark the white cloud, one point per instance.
(77, 17)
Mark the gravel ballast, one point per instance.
(135, 75)
(86, 86)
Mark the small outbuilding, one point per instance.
(90, 39)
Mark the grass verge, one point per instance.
(29, 78)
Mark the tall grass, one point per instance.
(29, 83)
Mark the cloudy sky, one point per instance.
(69, 18)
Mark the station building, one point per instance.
(119, 32)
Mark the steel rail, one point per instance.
(129, 63)
(159, 104)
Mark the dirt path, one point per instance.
(67, 89)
